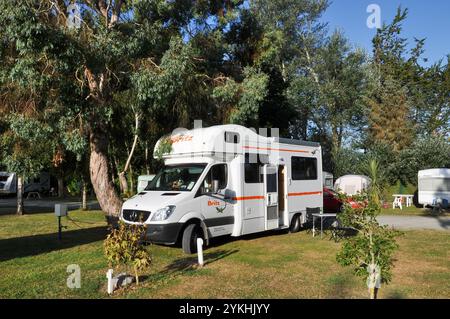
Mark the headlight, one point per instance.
(163, 213)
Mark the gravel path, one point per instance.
(416, 222)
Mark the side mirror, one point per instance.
(226, 193)
(215, 186)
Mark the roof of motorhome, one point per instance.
(212, 139)
(221, 129)
(282, 140)
(435, 172)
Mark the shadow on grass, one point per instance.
(340, 287)
(429, 212)
(190, 263)
(26, 246)
(219, 241)
(395, 295)
(328, 231)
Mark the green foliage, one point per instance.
(253, 91)
(164, 147)
(377, 183)
(347, 161)
(373, 244)
(389, 115)
(123, 247)
(25, 147)
(425, 153)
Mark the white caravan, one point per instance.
(8, 183)
(228, 180)
(434, 187)
(352, 184)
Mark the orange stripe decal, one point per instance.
(248, 197)
(305, 194)
(274, 149)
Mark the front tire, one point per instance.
(295, 224)
(189, 240)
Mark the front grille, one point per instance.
(133, 215)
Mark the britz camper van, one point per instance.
(228, 180)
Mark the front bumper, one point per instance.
(163, 233)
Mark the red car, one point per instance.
(332, 203)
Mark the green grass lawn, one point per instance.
(274, 265)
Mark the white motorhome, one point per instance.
(352, 184)
(434, 187)
(228, 180)
(8, 183)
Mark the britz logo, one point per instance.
(213, 203)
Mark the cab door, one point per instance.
(270, 174)
(216, 206)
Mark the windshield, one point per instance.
(176, 178)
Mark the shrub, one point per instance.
(370, 252)
(124, 247)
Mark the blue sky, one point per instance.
(426, 19)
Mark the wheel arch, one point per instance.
(194, 218)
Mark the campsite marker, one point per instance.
(109, 274)
(200, 251)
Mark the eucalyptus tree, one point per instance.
(24, 150)
(293, 36)
(73, 60)
(343, 80)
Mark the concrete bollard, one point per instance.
(200, 251)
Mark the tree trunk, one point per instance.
(131, 180)
(84, 196)
(146, 158)
(60, 186)
(20, 209)
(122, 177)
(123, 183)
(136, 275)
(104, 189)
(373, 293)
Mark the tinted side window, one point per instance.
(271, 183)
(252, 169)
(231, 137)
(304, 168)
(217, 172)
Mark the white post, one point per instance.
(200, 251)
(110, 283)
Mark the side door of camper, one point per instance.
(270, 178)
(216, 206)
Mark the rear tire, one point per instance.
(295, 224)
(189, 241)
